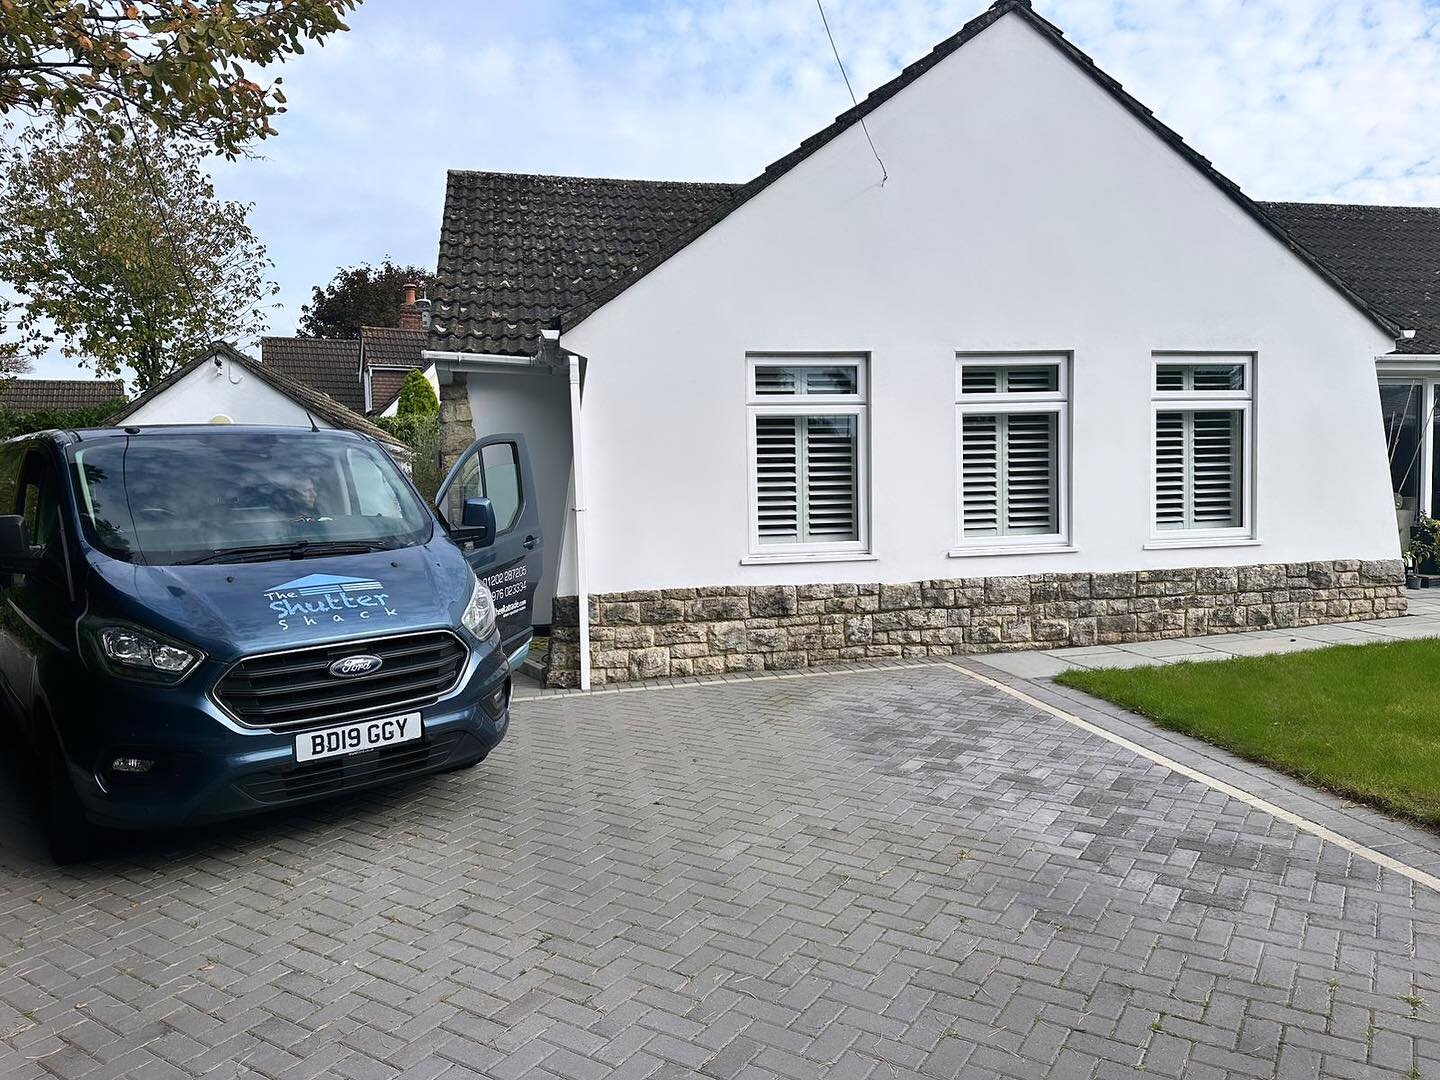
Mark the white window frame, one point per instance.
(1242, 401)
(1056, 402)
(856, 405)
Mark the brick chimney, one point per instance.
(410, 310)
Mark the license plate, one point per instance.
(357, 738)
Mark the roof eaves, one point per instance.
(572, 317)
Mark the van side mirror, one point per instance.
(477, 522)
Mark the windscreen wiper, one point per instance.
(300, 549)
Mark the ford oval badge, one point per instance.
(351, 666)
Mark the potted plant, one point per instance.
(1420, 555)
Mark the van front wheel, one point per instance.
(68, 834)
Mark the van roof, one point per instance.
(67, 436)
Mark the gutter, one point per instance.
(582, 594)
(464, 358)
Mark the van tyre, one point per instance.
(68, 834)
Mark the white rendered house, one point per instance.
(1053, 381)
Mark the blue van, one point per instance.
(200, 622)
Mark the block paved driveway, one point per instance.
(892, 874)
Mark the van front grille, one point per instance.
(294, 689)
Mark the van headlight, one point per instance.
(132, 652)
(479, 617)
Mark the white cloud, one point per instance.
(1304, 99)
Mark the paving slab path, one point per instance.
(903, 872)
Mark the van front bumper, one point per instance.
(207, 768)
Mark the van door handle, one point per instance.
(529, 542)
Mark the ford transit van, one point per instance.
(203, 622)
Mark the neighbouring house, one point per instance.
(223, 385)
(28, 395)
(330, 365)
(1053, 380)
(364, 373)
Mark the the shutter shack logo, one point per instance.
(317, 598)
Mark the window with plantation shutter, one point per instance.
(807, 419)
(1202, 437)
(1012, 418)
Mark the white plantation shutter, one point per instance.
(980, 474)
(1170, 498)
(1215, 473)
(1200, 446)
(1030, 473)
(831, 480)
(1009, 479)
(1197, 469)
(777, 479)
(1011, 413)
(806, 380)
(808, 460)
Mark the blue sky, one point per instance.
(1293, 99)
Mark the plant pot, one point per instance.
(1414, 581)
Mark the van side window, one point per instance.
(468, 485)
(501, 467)
(39, 501)
(11, 454)
(494, 474)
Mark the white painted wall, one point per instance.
(1026, 210)
(537, 405)
(228, 390)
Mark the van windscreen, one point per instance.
(232, 495)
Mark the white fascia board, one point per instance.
(1408, 363)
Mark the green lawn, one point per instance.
(1360, 720)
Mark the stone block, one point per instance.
(1259, 578)
(633, 637)
(897, 597)
(662, 611)
(1113, 586)
(717, 609)
(773, 601)
(1011, 590)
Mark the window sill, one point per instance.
(1010, 549)
(1180, 543)
(808, 557)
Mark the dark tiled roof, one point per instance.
(30, 395)
(385, 387)
(321, 405)
(1388, 254)
(515, 250)
(330, 365)
(390, 347)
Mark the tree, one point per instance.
(123, 253)
(13, 360)
(357, 296)
(181, 65)
(417, 397)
